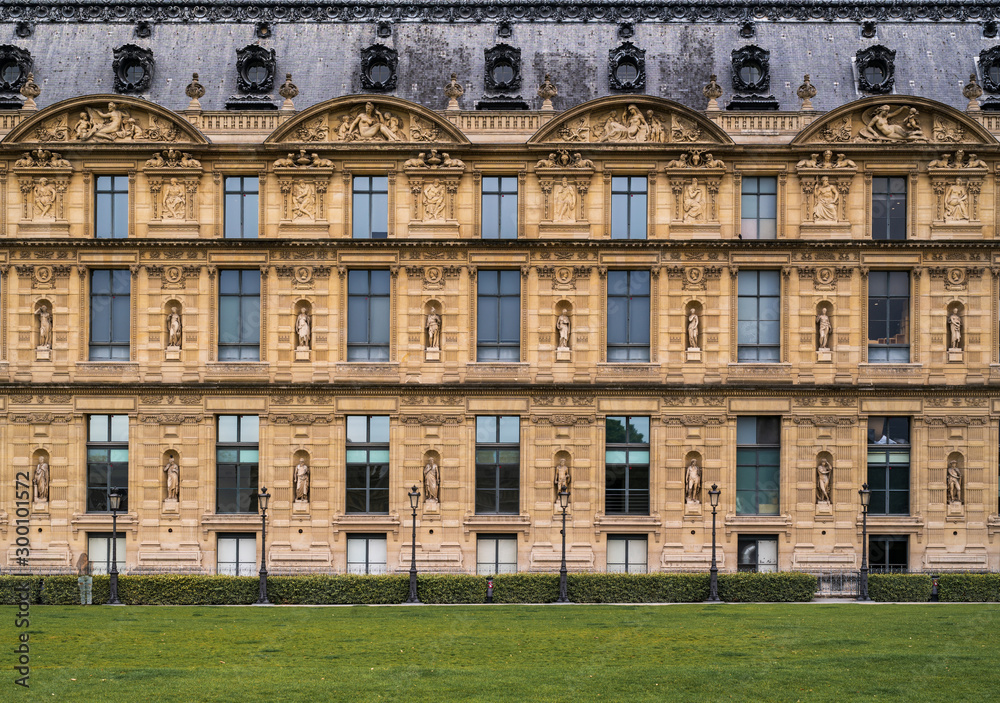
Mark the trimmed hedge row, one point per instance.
(432, 588)
(969, 588)
(899, 588)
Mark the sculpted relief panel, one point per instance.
(107, 123)
(370, 122)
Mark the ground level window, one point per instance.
(99, 552)
(496, 554)
(627, 554)
(237, 554)
(888, 553)
(758, 553)
(366, 554)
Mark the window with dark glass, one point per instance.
(242, 207)
(368, 321)
(236, 554)
(889, 465)
(759, 316)
(759, 208)
(888, 553)
(627, 554)
(499, 203)
(628, 207)
(496, 554)
(367, 554)
(628, 316)
(239, 315)
(99, 552)
(889, 207)
(111, 207)
(498, 316)
(107, 461)
(110, 314)
(237, 453)
(888, 316)
(498, 464)
(758, 465)
(758, 554)
(370, 207)
(367, 464)
(626, 465)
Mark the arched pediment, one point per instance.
(632, 119)
(894, 120)
(105, 119)
(349, 120)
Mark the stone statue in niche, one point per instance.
(302, 481)
(694, 202)
(303, 201)
(432, 480)
(954, 482)
(433, 325)
(692, 482)
(563, 478)
(564, 201)
(174, 200)
(824, 327)
(174, 328)
(879, 129)
(956, 202)
(44, 327)
(827, 197)
(303, 329)
(824, 473)
(955, 329)
(693, 323)
(173, 472)
(41, 481)
(563, 325)
(434, 196)
(45, 198)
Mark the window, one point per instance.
(758, 465)
(498, 316)
(111, 208)
(888, 317)
(759, 308)
(757, 554)
(888, 553)
(498, 465)
(366, 554)
(628, 207)
(110, 315)
(496, 554)
(239, 315)
(888, 207)
(107, 462)
(368, 316)
(367, 464)
(236, 555)
(889, 465)
(99, 552)
(370, 208)
(236, 456)
(499, 207)
(242, 194)
(759, 208)
(628, 316)
(627, 554)
(626, 466)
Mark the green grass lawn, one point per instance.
(807, 652)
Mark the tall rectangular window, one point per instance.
(110, 314)
(759, 208)
(759, 308)
(99, 552)
(236, 554)
(111, 207)
(627, 554)
(367, 464)
(367, 554)
(107, 461)
(499, 207)
(498, 464)
(626, 465)
(242, 207)
(889, 207)
(370, 207)
(237, 453)
(628, 207)
(239, 315)
(368, 321)
(889, 465)
(888, 317)
(758, 465)
(758, 554)
(888, 553)
(498, 316)
(496, 554)
(628, 316)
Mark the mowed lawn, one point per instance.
(807, 652)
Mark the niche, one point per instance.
(43, 328)
(954, 328)
(301, 476)
(693, 323)
(692, 478)
(431, 479)
(824, 478)
(41, 476)
(954, 491)
(173, 316)
(563, 327)
(302, 337)
(824, 326)
(170, 463)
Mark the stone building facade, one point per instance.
(342, 297)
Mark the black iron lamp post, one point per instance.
(866, 496)
(115, 500)
(262, 498)
(414, 496)
(563, 503)
(713, 593)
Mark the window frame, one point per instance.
(887, 202)
(905, 322)
(108, 446)
(879, 474)
(115, 201)
(630, 495)
(240, 567)
(492, 348)
(743, 541)
(113, 345)
(761, 487)
(103, 567)
(626, 566)
(244, 198)
(245, 349)
(495, 566)
(368, 491)
(880, 568)
(757, 196)
(633, 352)
(500, 193)
(502, 471)
(243, 471)
(373, 351)
(745, 350)
(368, 196)
(626, 197)
(368, 564)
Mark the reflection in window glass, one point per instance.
(758, 465)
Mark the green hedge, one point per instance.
(11, 589)
(969, 588)
(638, 588)
(899, 588)
(779, 587)
(345, 589)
